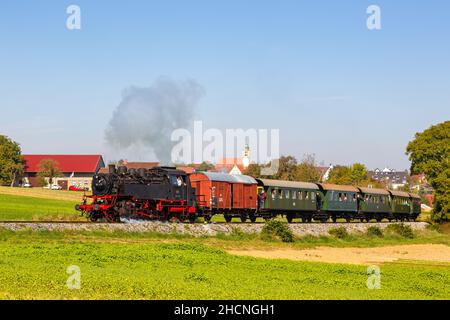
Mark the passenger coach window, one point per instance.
(280, 194)
(300, 195)
(286, 193)
(294, 195)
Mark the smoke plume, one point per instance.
(146, 117)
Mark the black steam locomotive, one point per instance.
(158, 194)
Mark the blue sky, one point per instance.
(310, 68)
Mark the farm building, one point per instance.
(76, 170)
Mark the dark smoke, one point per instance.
(146, 117)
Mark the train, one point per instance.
(168, 194)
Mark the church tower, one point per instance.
(246, 156)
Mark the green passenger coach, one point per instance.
(374, 204)
(293, 199)
(416, 208)
(339, 201)
(400, 205)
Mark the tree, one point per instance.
(11, 161)
(204, 166)
(287, 169)
(355, 174)
(253, 170)
(359, 173)
(307, 170)
(48, 168)
(429, 153)
(340, 175)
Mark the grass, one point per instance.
(43, 193)
(17, 207)
(143, 266)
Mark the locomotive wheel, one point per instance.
(228, 218)
(93, 218)
(192, 218)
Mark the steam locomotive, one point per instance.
(168, 194)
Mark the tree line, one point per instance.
(308, 170)
(12, 165)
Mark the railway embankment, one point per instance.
(199, 230)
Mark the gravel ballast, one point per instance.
(198, 230)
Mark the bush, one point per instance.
(339, 232)
(374, 231)
(277, 229)
(434, 227)
(401, 229)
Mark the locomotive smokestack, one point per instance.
(146, 117)
(112, 168)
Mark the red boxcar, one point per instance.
(231, 195)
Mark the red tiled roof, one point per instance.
(228, 167)
(227, 161)
(66, 163)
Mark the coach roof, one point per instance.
(336, 187)
(289, 184)
(225, 177)
(399, 193)
(374, 191)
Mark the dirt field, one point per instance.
(361, 256)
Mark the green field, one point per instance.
(122, 265)
(38, 204)
(33, 266)
(14, 207)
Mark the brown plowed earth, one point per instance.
(360, 256)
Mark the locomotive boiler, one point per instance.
(160, 193)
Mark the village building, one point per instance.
(76, 170)
(392, 178)
(234, 165)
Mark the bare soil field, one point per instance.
(359, 256)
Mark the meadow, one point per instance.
(33, 265)
(122, 265)
(17, 207)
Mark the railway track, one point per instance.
(198, 223)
